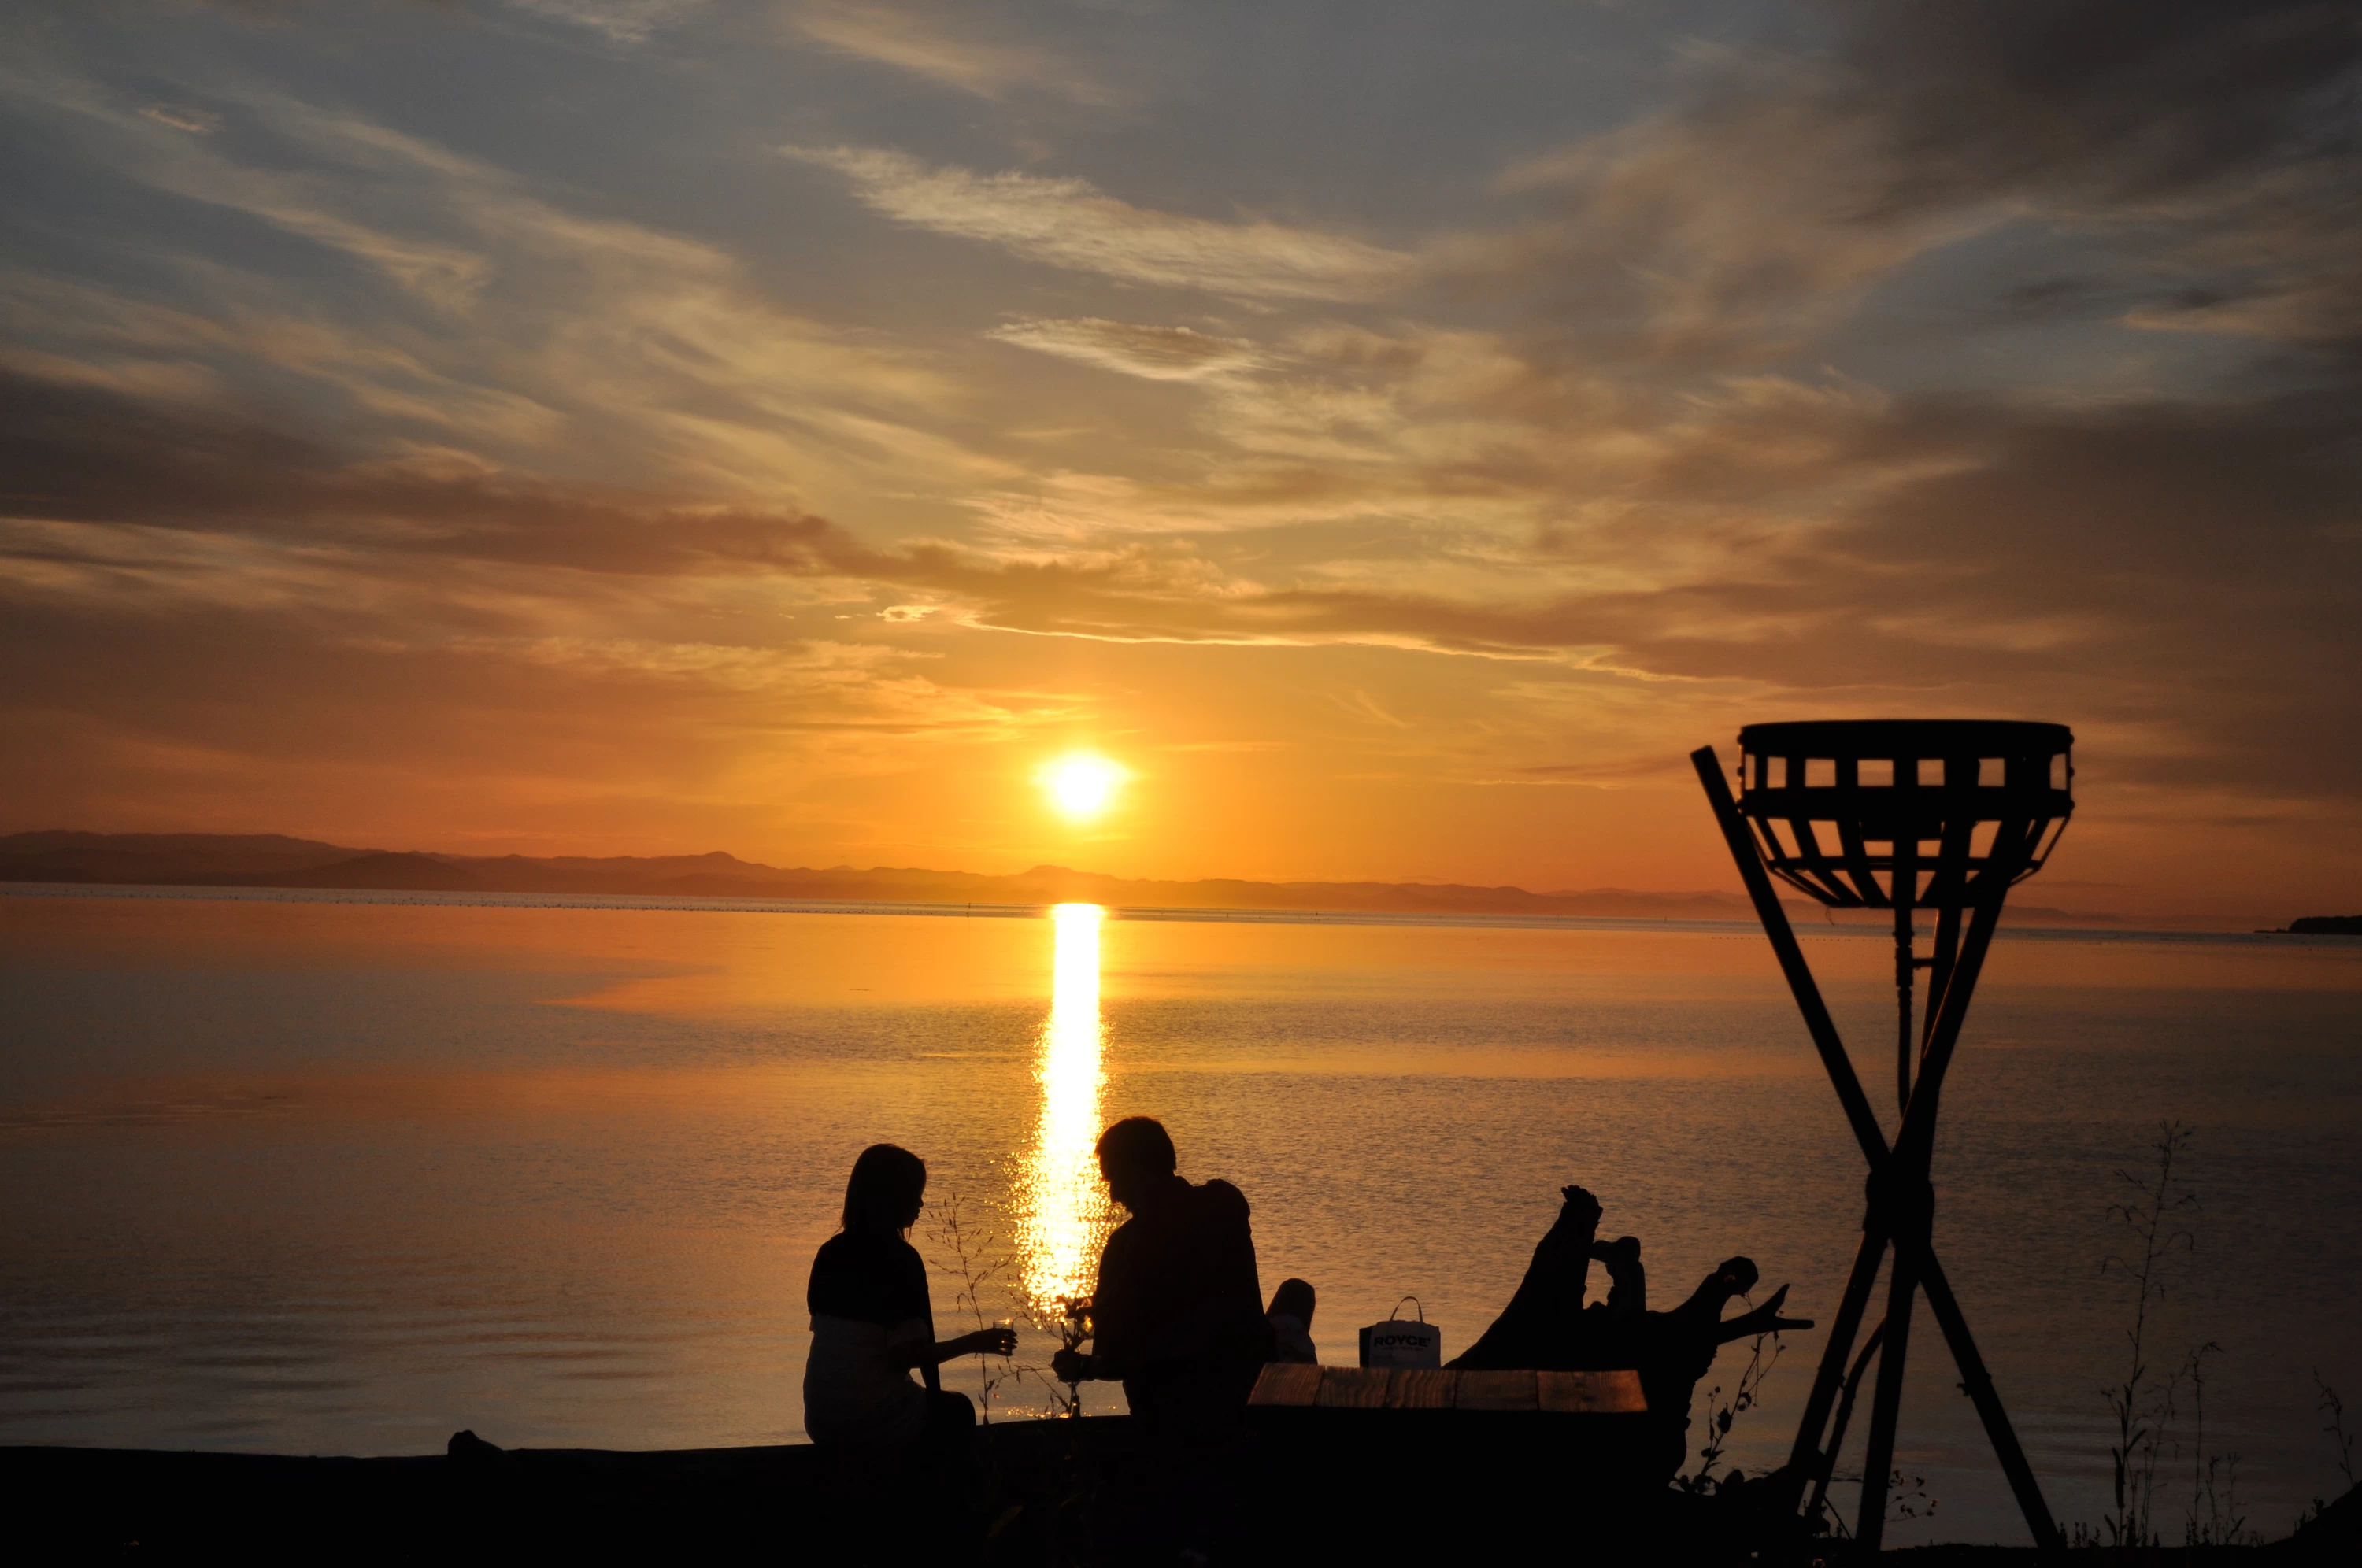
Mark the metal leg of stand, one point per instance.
(1905, 973)
(1878, 1463)
(1808, 1465)
(1801, 984)
(1837, 1427)
(1978, 1385)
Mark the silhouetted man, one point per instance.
(1178, 1316)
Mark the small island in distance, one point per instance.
(2320, 925)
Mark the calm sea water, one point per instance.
(313, 1174)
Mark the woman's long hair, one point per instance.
(887, 1182)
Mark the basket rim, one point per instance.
(1878, 738)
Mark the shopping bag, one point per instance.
(1400, 1342)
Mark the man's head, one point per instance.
(1136, 1156)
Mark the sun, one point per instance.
(1082, 786)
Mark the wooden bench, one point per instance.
(1294, 1386)
(1404, 1464)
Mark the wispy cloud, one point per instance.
(2194, 154)
(1073, 224)
(196, 122)
(1152, 353)
(949, 47)
(575, 322)
(621, 21)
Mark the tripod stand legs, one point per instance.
(1813, 1455)
(1953, 967)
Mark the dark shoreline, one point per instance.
(1387, 1491)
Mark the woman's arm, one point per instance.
(920, 1350)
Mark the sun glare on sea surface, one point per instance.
(1082, 786)
(1064, 1216)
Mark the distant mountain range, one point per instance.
(273, 860)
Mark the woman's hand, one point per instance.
(989, 1341)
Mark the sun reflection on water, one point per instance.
(1066, 1213)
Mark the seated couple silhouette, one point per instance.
(1177, 1319)
(1178, 1316)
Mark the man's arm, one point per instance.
(1115, 1318)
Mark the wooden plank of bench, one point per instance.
(1591, 1393)
(1353, 1387)
(1427, 1388)
(1422, 1388)
(1286, 1383)
(1504, 1390)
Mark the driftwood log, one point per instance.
(1547, 1326)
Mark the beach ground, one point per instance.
(1044, 1492)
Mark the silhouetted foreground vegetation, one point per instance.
(1043, 1492)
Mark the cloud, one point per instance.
(619, 21)
(943, 46)
(2119, 99)
(658, 350)
(2190, 575)
(2195, 153)
(91, 456)
(1071, 223)
(196, 122)
(1152, 353)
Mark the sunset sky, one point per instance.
(1392, 434)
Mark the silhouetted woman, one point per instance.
(872, 1321)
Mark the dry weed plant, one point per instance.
(2215, 1516)
(1743, 1398)
(1073, 1325)
(979, 1261)
(2330, 1405)
(2143, 1403)
(1906, 1499)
